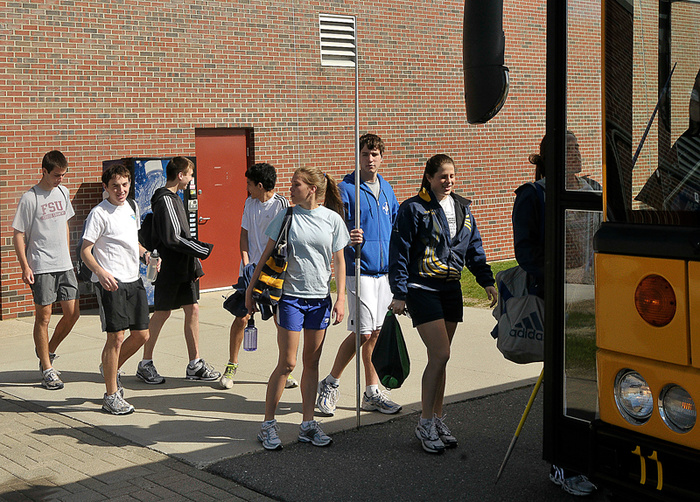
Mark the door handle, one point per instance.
(203, 220)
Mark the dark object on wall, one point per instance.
(486, 80)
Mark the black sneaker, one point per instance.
(202, 371)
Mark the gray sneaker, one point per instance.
(269, 435)
(429, 438)
(327, 397)
(50, 380)
(116, 405)
(444, 432)
(379, 402)
(574, 485)
(148, 373)
(314, 435)
(202, 371)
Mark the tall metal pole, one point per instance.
(358, 248)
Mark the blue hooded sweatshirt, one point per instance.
(377, 217)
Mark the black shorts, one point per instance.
(174, 296)
(426, 306)
(125, 308)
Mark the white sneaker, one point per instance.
(444, 432)
(291, 383)
(379, 402)
(314, 435)
(227, 378)
(429, 438)
(327, 397)
(116, 405)
(269, 435)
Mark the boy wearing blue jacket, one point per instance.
(378, 209)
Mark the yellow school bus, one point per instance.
(622, 326)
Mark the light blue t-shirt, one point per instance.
(313, 238)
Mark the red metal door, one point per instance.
(222, 159)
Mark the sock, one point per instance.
(372, 390)
(306, 424)
(268, 422)
(332, 380)
(425, 421)
(144, 362)
(193, 362)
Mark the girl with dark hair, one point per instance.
(434, 238)
(317, 235)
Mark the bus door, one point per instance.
(574, 176)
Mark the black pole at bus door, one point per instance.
(520, 425)
(358, 247)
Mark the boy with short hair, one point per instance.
(41, 243)
(260, 208)
(111, 250)
(177, 284)
(378, 209)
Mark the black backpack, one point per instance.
(147, 236)
(81, 269)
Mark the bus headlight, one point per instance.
(633, 397)
(677, 408)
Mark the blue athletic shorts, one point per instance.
(293, 313)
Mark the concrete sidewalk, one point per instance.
(201, 424)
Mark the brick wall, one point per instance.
(105, 80)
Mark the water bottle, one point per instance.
(152, 270)
(250, 336)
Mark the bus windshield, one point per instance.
(652, 113)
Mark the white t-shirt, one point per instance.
(448, 205)
(256, 217)
(313, 238)
(114, 231)
(43, 217)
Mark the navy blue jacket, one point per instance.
(528, 233)
(421, 251)
(377, 217)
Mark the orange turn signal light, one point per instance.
(655, 300)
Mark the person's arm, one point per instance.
(107, 280)
(399, 256)
(339, 266)
(21, 252)
(528, 244)
(244, 246)
(169, 229)
(249, 303)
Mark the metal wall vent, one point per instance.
(338, 40)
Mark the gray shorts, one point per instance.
(55, 287)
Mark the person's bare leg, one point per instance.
(192, 329)
(154, 326)
(42, 316)
(71, 313)
(288, 343)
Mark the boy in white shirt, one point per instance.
(260, 209)
(111, 250)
